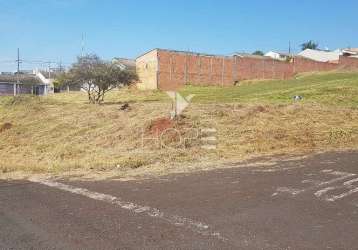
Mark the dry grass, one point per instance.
(62, 133)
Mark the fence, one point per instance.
(178, 68)
(349, 63)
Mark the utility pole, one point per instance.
(18, 72)
(83, 45)
(289, 47)
(48, 64)
(60, 66)
(18, 60)
(49, 70)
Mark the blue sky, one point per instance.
(51, 30)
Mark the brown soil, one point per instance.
(5, 126)
(158, 126)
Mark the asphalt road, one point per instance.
(296, 204)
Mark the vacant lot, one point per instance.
(63, 132)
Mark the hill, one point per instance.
(63, 133)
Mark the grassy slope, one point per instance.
(63, 132)
(329, 89)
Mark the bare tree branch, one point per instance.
(97, 77)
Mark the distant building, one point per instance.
(282, 56)
(25, 83)
(350, 52)
(26, 72)
(7, 73)
(124, 63)
(247, 55)
(321, 55)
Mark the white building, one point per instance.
(321, 55)
(350, 52)
(282, 56)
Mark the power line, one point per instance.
(41, 63)
(8, 61)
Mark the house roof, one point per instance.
(320, 55)
(129, 63)
(53, 74)
(279, 53)
(22, 78)
(351, 49)
(248, 55)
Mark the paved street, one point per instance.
(310, 203)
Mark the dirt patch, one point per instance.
(158, 126)
(5, 126)
(125, 107)
(259, 109)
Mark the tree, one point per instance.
(97, 77)
(258, 53)
(63, 80)
(309, 45)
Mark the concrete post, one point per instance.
(171, 67)
(234, 72)
(222, 72)
(211, 68)
(186, 70)
(200, 78)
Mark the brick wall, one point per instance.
(175, 69)
(178, 68)
(349, 63)
(262, 68)
(302, 65)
